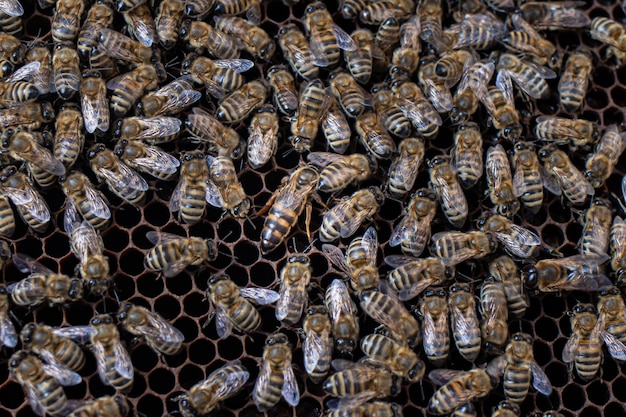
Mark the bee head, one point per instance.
(184, 30)
(276, 338)
(27, 333)
(217, 277)
(530, 276)
(123, 313)
(47, 112)
(545, 152)
(417, 372)
(76, 289)
(95, 150)
(508, 405)
(512, 132)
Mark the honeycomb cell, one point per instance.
(263, 273)
(156, 214)
(150, 286)
(251, 182)
(150, 403)
(229, 231)
(195, 305)
(557, 373)
(590, 412)
(598, 393)
(144, 357)
(202, 351)
(574, 397)
(127, 216)
(161, 381)
(14, 395)
(115, 239)
(246, 253)
(614, 409)
(619, 389)
(189, 375)
(228, 350)
(552, 235)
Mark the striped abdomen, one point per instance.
(516, 382)
(268, 395)
(277, 226)
(588, 359)
(162, 255)
(7, 218)
(244, 315)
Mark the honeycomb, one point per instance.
(182, 299)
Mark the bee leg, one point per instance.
(307, 221)
(267, 205)
(319, 201)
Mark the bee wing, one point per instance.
(254, 14)
(316, 45)
(65, 376)
(402, 231)
(237, 65)
(174, 268)
(223, 325)
(213, 194)
(100, 354)
(350, 402)
(289, 295)
(18, 196)
(549, 180)
(162, 237)
(230, 382)
(290, 390)
(25, 72)
(570, 348)
(262, 296)
(504, 84)
(143, 32)
(33, 398)
(519, 23)
(158, 159)
(616, 348)
(523, 82)
(8, 335)
(99, 207)
(44, 159)
(336, 257)
(27, 264)
(32, 286)
(161, 330)
(11, 7)
(460, 255)
(79, 334)
(519, 184)
(181, 101)
(442, 376)
(463, 324)
(518, 237)
(430, 332)
(497, 164)
(125, 177)
(158, 126)
(322, 159)
(560, 129)
(123, 364)
(124, 54)
(395, 261)
(350, 226)
(344, 41)
(564, 14)
(95, 112)
(584, 272)
(177, 194)
(87, 242)
(540, 380)
(316, 347)
(263, 381)
(338, 299)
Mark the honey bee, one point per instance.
(198, 9)
(529, 77)
(345, 218)
(200, 36)
(526, 41)
(285, 95)
(42, 284)
(494, 314)
(500, 181)
(223, 187)
(517, 240)
(276, 377)
(116, 406)
(8, 335)
(458, 388)
(612, 34)
(600, 163)
(506, 408)
(573, 273)
(343, 314)
(53, 348)
(455, 247)
(434, 87)
(37, 68)
(597, 228)
(252, 8)
(24, 146)
(392, 314)
(356, 383)
(66, 71)
(154, 329)
(168, 20)
(351, 9)
(403, 170)
(501, 107)
(305, 123)
(124, 5)
(413, 231)
(263, 136)
(129, 87)
(387, 36)
(411, 276)
(518, 365)
(326, 37)
(93, 101)
(504, 270)
(119, 177)
(140, 25)
(173, 253)
(417, 108)
(568, 179)
(478, 31)
(467, 409)
(467, 154)
(574, 80)
(10, 18)
(340, 171)
(555, 15)
(66, 20)
(611, 307)
(242, 102)
(252, 37)
(353, 98)
(406, 57)
(433, 309)
(41, 383)
(391, 115)
(583, 349)
(69, 139)
(190, 195)
(124, 49)
(359, 61)
(221, 384)
(294, 279)
(618, 249)
(100, 15)
(527, 176)
(147, 158)
(560, 130)
(398, 358)
(297, 52)
(170, 99)
(464, 321)
(205, 128)
(87, 246)
(374, 137)
(470, 90)
(376, 13)
(12, 54)
(29, 203)
(359, 263)
(430, 15)
(318, 343)
(549, 413)
(370, 409)
(7, 218)
(218, 76)
(448, 190)
(83, 198)
(335, 127)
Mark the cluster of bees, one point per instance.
(101, 105)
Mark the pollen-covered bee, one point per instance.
(567, 179)
(433, 310)
(242, 102)
(518, 366)
(529, 77)
(305, 123)
(276, 376)
(527, 176)
(295, 277)
(223, 187)
(263, 136)
(252, 37)
(297, 52)
(29, 203)
(411, 276)
(360, 60)
(8, 334)
(555, 15)
(561, 131)
(54, 349)
(374, 137)
(353, 98)
(618, 249)
(573, 273)
(200, 36)
(413, 231)
(94, 103)
(343, 314)
(345, 217)
(340, 171)
(84, 199)
(464, 321)
(403, 170)
(66, 71)
(397, 357)
(574, 80)
(458, 388)
(120, 179)
(42, 284)
(326, 37)
(416, 107)
(611, 33)
(494, 314)
(158, 333)
(218, 76)
(88, 247)
(173, 253)
(221, 139)
(602, 161)
(147, 158)
(129, 87)
(478, 31)
(583, 349)
(283, 85)
(359, 262)
(25, 146)
(467, 154)
(317, 346)
(448, 189)
(335, 127)
(596, 228)
(391, 114)
(504, 270)
(392, 314)
(455, 247)
(500, 181)
(206, 395)
(516, 239)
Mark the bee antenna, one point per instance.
(618, 201)
(230, 232)
(251, 223)
(288, 151)
(15, 318)
(308, 248)
(172, 62)
(293, 244)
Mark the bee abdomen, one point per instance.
(588, 359)
(246, 317)
(267, 396)
(516, 383)
(52, 396)
(72, 356)
(277, 226)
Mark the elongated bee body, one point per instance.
(168, 19)
(42, 340)
(618, 249)
(527, 179)
(305, 124)
(458, 388)
(202, 36)
(362, 378)
(597, 228)
(370, 409)
(285, 95)
(518, 240)
(398, 357)
(448, 190)
(107, 406)
(571, 182)
(411, 276)
(494, 314)
(66, 71)
(602, 161)
(416, 107)
(326, 38)
(391, 313)
(435, 326)
(574, 80)
(82, 197)
(156, 331)
(69, 138)
(611, 307)
(295, 47)
(529, 77)
(611, 33)
(170, 99)
(464, 321)
(29, 203)
(404, 168)
(343, 314)
(391, 114)
(504, 270)
(318, 343)
(7, 218)
(561, 130)
(344, 219)
(263, 136)
(294, 280)
(114, 364)
(374, 137)
(467, 154)
(66, 20)
(503, 114)
(336, 128)
(253, 38)
(276, 376)
(173, 253)
(359, 61)
(128, 88)
(242, 102)
(147, 158)
(94, 104)
(413, 231)
(353, 98)
(500, 181)
(100, 15)
(189, 197)
(339, 171)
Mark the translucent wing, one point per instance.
(25, 72)
(95, 111)
(11, 7)
(290, 390)
(177, 194)
(442, 376)
(290, 294)
(540, 380)
(161, 331)
(223, 325)
(560, 129)
(176, 104)
(344, 41)
(584, 272)
(261, 296)
(158, 159)
(351, 402)
(99, 207)
(8, 335)
(65, 376)
(263, 381)
(123, 364)
(213, 194)
(322, 159)
(569, 351)
(160, 126)
(230, 382)
(316, 346)
(44, 159)
(114, 50)
(463, 324)
(504, 84)
(432, 344)
(616, 348)
(461, 254)
(27, 264)
(550, 182)
(528, 87)
(85, 241)
(339, 299)
(100, 354)
(162, 237)
(336, 257)
(517, 238)
(79, 334)
(33, 398)
(237, 65)
(497, 165)
(142, 31)
(124, 177)
(172, 269)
